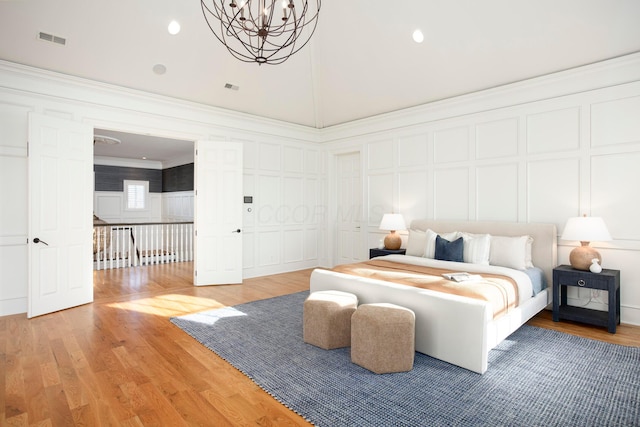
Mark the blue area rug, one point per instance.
(536, 377)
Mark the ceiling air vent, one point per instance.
(230, 86)
(51, 38)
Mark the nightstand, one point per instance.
(374, 252)
(607, 280)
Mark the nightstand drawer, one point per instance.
(583, 281)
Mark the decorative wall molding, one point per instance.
(605, 74)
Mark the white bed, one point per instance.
(456, 329)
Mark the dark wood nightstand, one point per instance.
(374, 252)
(607, 280)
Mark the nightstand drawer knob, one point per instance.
(581, 282)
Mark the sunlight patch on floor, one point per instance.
(211, 317)
(168, 305)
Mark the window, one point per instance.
(135, 194)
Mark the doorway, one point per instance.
(349, 218)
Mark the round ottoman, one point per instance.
(327, 319)
(383, 338)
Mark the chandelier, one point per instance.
(262, 31)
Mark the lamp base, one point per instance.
(392, 241)
(580, 257)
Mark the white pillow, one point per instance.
(430, 248)
(510, 252)
(528, 261)
(416, 243)
(476, 248)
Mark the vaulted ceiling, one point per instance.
(361, 61)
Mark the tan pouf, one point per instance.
(383, 338)
(327, 319)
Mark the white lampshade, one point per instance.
(586, 229)
(392, 222)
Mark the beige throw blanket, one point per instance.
(500, 291)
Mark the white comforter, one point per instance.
(525, 288)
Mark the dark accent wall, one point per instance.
(179, 178)
(109, 178)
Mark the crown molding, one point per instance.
(608, 73)
(40, 82)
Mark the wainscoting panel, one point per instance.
(381, 155)
(553, 190)
(381, 194)
(451, 145)
(269, 247)
(249, 154)
(248, 249)
(553, 131)
(620, 208)
(268, 199)
(451, 194)
(313, 212)
(109, 206)
(312, 162)
(497, 139)
(412, 150)
(497, 193)
(269, 158)
(311, 244)
(13, 221)
(178, 206)
(293, 245)
(13, 134)
(615, 122)
(293, 209)
(293, 159)
(13, 298)
(411, 184)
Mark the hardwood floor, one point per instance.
(119, 361)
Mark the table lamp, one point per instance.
(585, 229)
(392, 222)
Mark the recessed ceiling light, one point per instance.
(418, 37)
(174, 27)
(159, 69)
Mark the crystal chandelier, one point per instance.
(266, 32)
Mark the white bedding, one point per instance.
(525, 287)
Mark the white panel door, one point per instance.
(60, 214)
(349, 240)
(218, 213)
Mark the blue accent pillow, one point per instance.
(538, 280)
(449, 251)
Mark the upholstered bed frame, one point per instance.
(452, 328)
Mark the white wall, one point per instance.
(506, 158)
(177, 206)
(541, 150)
(272, 243)
(285, 224)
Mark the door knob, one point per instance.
(37, 240)
(236, 231)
